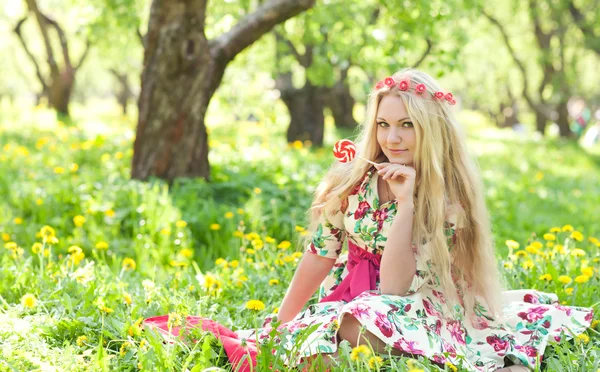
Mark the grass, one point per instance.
(127, 250)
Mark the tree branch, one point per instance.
(32, 5)
(140, 37)
(84, 55)
(425, 53)
(253, 26)
(301, 58)
(63, 40)
(590, 39)
(38, 71)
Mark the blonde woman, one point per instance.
(420, 274)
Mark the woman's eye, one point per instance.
(383, 124)
(408, 122)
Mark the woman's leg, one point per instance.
(350, 331)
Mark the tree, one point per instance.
(182, 69)
(58, 85)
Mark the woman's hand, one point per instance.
(400, 178)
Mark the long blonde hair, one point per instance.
(446, 176)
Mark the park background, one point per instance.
(180, 185)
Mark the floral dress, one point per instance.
(414, 323)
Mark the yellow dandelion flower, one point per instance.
(551, 237)
(269, 240)
(512, 244)
(565, 279)
(181, 224)
(561, 249)
(569, 291)
(300, 229)
(47, 232)
(215, 226)
(109, 213)
(229, 215)
(587, 271)
(451, 367)
(537, 245)
(29, 301)
(257, 190)
(74, 167)
(5, 237)
(36, 248)
(528, 264)
(238, 234)
(11, 246)
(128, 264)
(250, 251)
(59, 170)
(127, 298)
(582, 279)
(221, 262)
(550, 244)
(102, 245)
(583, 338)
(273, 282)
(555, 230)
(276, 310)
(375, 362)
(119, 155)
(240, 211)
(595, 324)
(39, 201)
(546, 277)
(234, 263)
(165, 231)
(258, 244)
(78, 220)
(186, 252)
(249, 260)
(18, 221)
(284, 244)
(521, 253)
(577, 236)
(360, 352)
(508, 265)
(124, 347)
(532, 249)
(255, 305)
(567, 228)
(81, 340)
(577, 252)
(297, 145)
(211, 283)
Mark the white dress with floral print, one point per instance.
(414, 323)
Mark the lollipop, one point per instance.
(345, 150)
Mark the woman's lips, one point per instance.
(397, 151)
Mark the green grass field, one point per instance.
(87, 253)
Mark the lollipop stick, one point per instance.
(368, 161)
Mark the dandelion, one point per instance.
(258, 244)
(273, 282)
(240, 211)
(569, 291)
(555, 230)
(360, 352)
(255, 305)
(76, 254)
(551, 237)
(36, 248)
(284, 245)
(221, 262)
(165, 231)
(550, 244)
(564, 279)
(546, 277)
(11, 246)
(578, 252)
(127, 298)
(276, 310)
(300, 229)
(229, 215)
(375, 362)
(521, 253)
(587, 271)
(532, 249)
(451, 367)
(257, 190)
(186, 252)
(577, 236)
(583, 338)
(252, 236)
(124, 348)
(250, 251)
(102, 245)
(215, 226)
(528, 264)
(238, 234)
(29, 301)
(81, 340)
(508, 265)
(537, 245)
(567, 228)
(5, 237)
(109, 213)
(582, 279)
(128, 264)
(512, 244)
(181, 224)
(59, 170)
(18, 221)
(561, 249)
(211, 283)
(595, 324)
(234, 263)
(269, 240)
(297, 145)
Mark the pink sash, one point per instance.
(363, 270)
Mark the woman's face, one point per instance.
(395, 131)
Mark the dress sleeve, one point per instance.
(329, 236)
(425, 273)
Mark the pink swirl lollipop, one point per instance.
(345, 150)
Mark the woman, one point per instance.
(441, 298)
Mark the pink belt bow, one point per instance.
(363, 271)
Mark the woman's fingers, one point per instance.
(398, 173)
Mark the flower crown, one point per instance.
(420, 89)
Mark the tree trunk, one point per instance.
(563, 120)
(540, 123)
(182, 70)
(341, 103)
(59, 91)
(124, 92)
(305, 105)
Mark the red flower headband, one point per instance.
(420, 89)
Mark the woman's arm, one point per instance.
(311, 271)
(398, 266)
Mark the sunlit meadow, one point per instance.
(88, 253)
